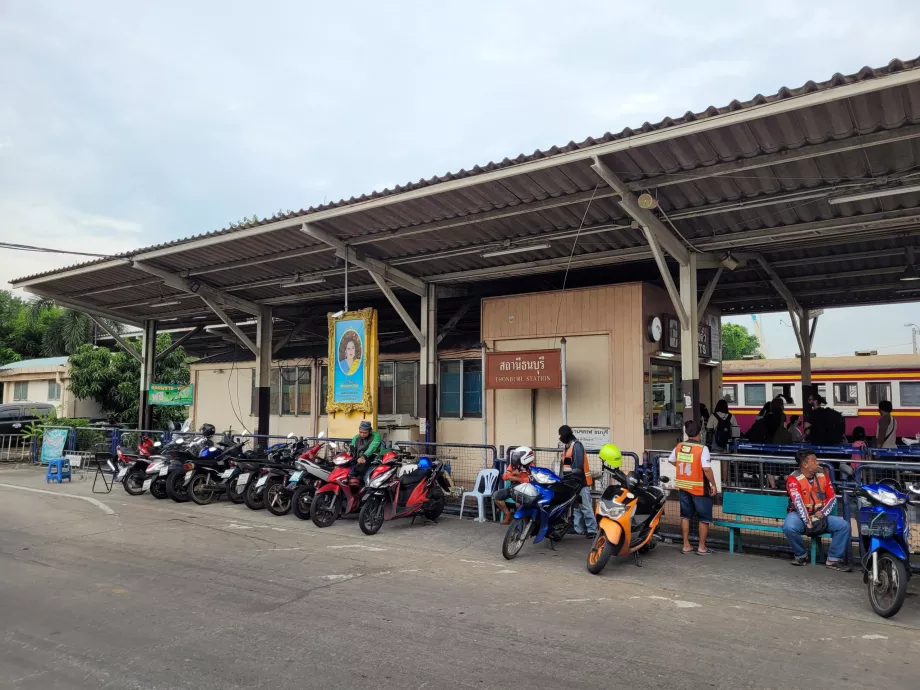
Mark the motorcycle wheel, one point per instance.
(174, 488)
(158, 488)
(275, 501)
(300, 502)
(600, 553)
(134, 482)
(198, 492)
(370, 519)
(887, 596)
(434, 509)
(252, 500)
(517, 534)
(232, 494)
(324, 509)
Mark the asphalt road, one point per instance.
(162, 595)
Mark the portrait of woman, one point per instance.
(349, 352)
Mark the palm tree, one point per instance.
(65, 329)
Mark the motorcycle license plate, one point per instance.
(121, 474)
(295, 477)
(164, 470)
(147, 483)
(226, 473)
(241, 480)
(261, 481)
(188, 475)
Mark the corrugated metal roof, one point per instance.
(33, 363)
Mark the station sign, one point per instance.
(529, 369)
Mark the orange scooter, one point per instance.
(627, 514)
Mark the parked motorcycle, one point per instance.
(340, 494)
(256, 473)
(281, 486)
(209, 475)
(627, 514)
(409, 490)
(176, 487)
(134, 467)
(884, 542)
(157, 471)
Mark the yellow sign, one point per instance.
(353, 365)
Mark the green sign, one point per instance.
(169, 394)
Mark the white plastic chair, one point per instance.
(487, 480)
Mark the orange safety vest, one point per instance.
(815, 496)
(567, 462)
(690, 477)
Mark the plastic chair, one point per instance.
(487, 480)
(58, 470)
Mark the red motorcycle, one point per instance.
(340, 494)
(399, 491)
(134, 467)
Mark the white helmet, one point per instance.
(523, 455)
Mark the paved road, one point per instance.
(161, 595)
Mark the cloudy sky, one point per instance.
(126, 124)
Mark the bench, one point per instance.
(740, 505)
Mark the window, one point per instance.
(460, 387)
(876, 392)
(755, 394)
(784, 390)
(385, 388)
(667, 396)
(730, 393)
(274, 400)
(845, 393)
(21, 391)
(323, 388)
(295, 390)
(910, 393)
(406, 388)
(54, 390)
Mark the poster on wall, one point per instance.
(352, 344)
(171, 395)
(592, 437)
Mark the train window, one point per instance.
(755, 394)
(876, 392)
(910, 393)
(845, 393)
(784, 390)
(730, 393)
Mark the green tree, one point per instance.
(112, 379)
(737, 342)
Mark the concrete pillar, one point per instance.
(689, 340)
(148, 374)
(428, 366)
(263, 369)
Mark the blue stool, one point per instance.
(58, 470)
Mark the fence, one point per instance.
(464, 460)
(14, 448)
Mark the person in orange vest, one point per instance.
(696, 485)
(575, 466)
(811, 502)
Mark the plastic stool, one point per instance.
(58, 470)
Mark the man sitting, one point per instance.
(811, 502)
(366, 446)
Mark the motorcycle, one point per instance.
(209, 475)
(256, 473)
(157, 471)
(134, 469)
(545, 508)
(281, 487)
(884, 542)
(627, 514)
(180, 454)
(395, 491)
(340, 494)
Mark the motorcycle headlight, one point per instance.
(611, 509)
(888, 498)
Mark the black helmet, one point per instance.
(208, 430)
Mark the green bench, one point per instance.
(740, 505)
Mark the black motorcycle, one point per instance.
(209, 475)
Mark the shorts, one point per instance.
(701, 505)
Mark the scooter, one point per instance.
(208, 476)
(157, 471)
(281, 486)
(627, 514)
(134, 467)
(884, 542)
(280, 459)
(545, 509)
(395, 491)
(340, 494)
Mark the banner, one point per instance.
(527, 369)
(53, 442)
(352, 362)
(171, 395)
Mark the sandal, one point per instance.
(686, 552)
(707, 552)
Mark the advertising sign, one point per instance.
(352, 346)
(527, 369)
(171, 395)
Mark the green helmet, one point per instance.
(611, 456)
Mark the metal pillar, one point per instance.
(263, 368)
(428, 366)
(805, 333)
(565, 386)
(148, 374)
(689, 340)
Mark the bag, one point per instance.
(828, 427)
(723, 435)
(758, 432)
(818, 527)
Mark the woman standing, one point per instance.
(722, 427)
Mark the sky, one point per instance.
(123, 125)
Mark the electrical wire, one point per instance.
(48, 250)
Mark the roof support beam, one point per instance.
(90, 310)
(668, 240)
(666, 276)
(779, 285)
(371, 265)
(122, 343)
(178, 343)
(299, 328)
(455, 319)
(222, 315)
(194, 287)
(707, 294)
(400, 309)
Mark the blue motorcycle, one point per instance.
(884, 543)
(545, 508)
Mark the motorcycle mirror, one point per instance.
(187, 424)
(914, 488)
(321, 434)
(157, 444)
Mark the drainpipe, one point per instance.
(485, 423)
(565, 387)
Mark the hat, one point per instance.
(365, 426)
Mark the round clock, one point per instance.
(654, 329)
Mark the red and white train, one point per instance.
(851, 385)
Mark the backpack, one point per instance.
(758, 432)
(723, 434)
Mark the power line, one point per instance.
(48, 250)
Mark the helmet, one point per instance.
(522, 455)
(424, 464)
(611, 456)
(208, 430)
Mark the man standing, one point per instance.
(811, 502)
(575, 465)
(696, 484)
(886, 435)
(366, 447)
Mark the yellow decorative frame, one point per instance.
(369, 316)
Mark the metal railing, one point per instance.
(464, 461)
(14, 448)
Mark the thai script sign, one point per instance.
(167, 394)
(529, 369)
